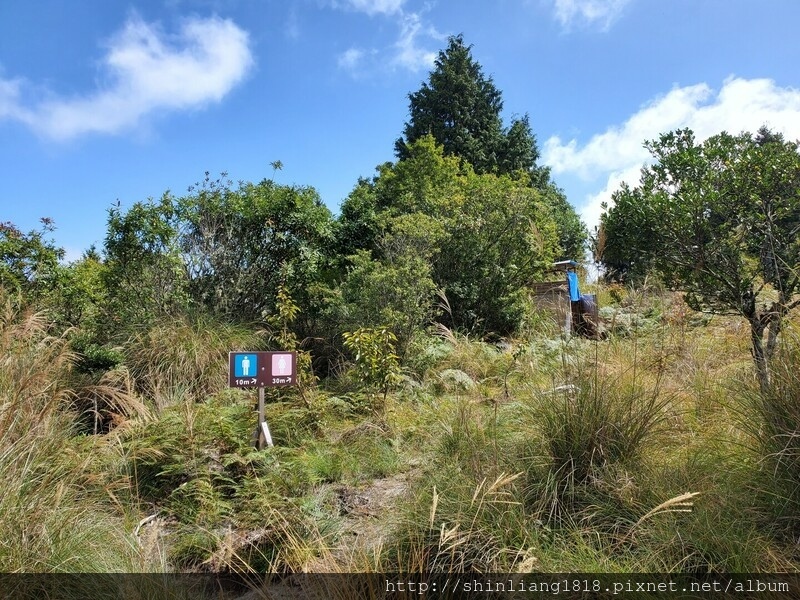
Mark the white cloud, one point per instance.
(376, 7)
(617, 154)
(351, 58)
(10, 103)
(600, 12)
(148, 71)
(408, 52)
(292, 27)
(618, 146)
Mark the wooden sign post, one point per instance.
(262, 369)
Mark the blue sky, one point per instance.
(104, 102)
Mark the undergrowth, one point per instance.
(650, 451)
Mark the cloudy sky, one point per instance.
(104, 102)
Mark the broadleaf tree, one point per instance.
(241, 244)
(29, 262)
(144, 275)
(484, 236)
(721, 220)
(220, 249)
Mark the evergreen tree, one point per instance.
(460, 107)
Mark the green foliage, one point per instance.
(368, 452)
(81, 293)
(357, 227)
(466, 511)
(572, 232)
(397, 293)
(485, 237)
(461, 108)
(191, 456)
(241, 243)
(478, 465)
(361, 452)
(425, 351)
(192, 547)
(145, 274)
(28, 261)
(231, 507)
(719, 220)
(500, 241)
(467, 198)
(94, 358)
(376, 363)
(220, 248)
(286, 313)
(624, 242)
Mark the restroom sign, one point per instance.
(262, 369)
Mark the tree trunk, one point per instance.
(759, 354)
(773, 330)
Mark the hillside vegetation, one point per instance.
(652, 451)
(440, 421)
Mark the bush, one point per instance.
(376, 364)
(396, 294)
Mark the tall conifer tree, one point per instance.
(460, 107)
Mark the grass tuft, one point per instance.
(185, 358)
(589, 432)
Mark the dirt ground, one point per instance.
(367, 513)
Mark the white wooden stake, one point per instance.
(265, 432)
(262, 431)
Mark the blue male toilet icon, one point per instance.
(245, 365)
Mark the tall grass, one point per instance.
(33, 370)
(591, 433)
(632, 463)
(463, 526)
(185, 357)
(54, 516)
(540, 455)
(773, 424)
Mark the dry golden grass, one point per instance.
(185, 358)
(55, 513)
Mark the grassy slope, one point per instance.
(653, 460)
